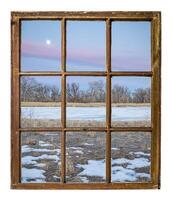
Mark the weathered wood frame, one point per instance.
(155, 74)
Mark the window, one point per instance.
(85, 100)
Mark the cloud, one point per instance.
(30, 49)
(92, 57)
(40, 50)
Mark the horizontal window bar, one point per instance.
(82, 14)
(85, 186)
(133, 73)
(75, 129)
(129, 129)
(40, 73)
(52, 129)
(93, 73)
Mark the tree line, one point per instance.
(33, 91)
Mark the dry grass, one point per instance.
(58, 104)
(125, 142)
(81, 123)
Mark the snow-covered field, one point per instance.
(88, 113)
(85, 156)
(123, 169)
(119, 173)
(37, 160)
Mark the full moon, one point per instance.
(48, 42)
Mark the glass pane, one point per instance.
(85, 157)
(131, 101)
(40, 157)
(40, 45)
(40, 101)
(86, 45)
(131, 157)
(131, 46)
(86, 101)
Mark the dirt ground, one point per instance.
(80, 148)
(25, 122)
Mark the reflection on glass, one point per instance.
(85, 157)
(86, 45)
(40, 157)
(131, 46)
(40, 101)
(86, 101)
(131, 157)
(130, 97)
(40, 45)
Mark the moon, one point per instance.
(48, 42)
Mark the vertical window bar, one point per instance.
(15, 101)
(108, 100)
(156, 101)
(63, 100)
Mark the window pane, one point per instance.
(131, 101)
(40, 45)
(40, 157)
(86, 46)
(40, 101)
(86, 101)
(131, 157)
(85, 157)
(131, 46)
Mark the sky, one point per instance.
(86, 47)
(131, 46)
(40, 45)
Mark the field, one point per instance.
(58, 104)
(85, 154)
(85, 151)
(43, 114)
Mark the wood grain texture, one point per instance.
(63, 103)
(15, 107)
(108, 101)
(156, 98)
(91, 186)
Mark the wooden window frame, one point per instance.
(155, 74)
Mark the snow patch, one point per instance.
(78, 151)
(140, 153)
(84, 179)
(119, 173)
(132, 164)
(27, 160)
(35, 174)
(93, 168)
(87, 144)
(27, 149)
(76, 148)
(44, 144)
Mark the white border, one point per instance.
(6, 6)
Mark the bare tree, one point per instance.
(141, 95)
(55, 94)
(121, 94)
(73, 92)
(42, 93)
(96, 91)
(31, 90)
(28, 85)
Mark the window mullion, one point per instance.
(63, 100)
(108, 101)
